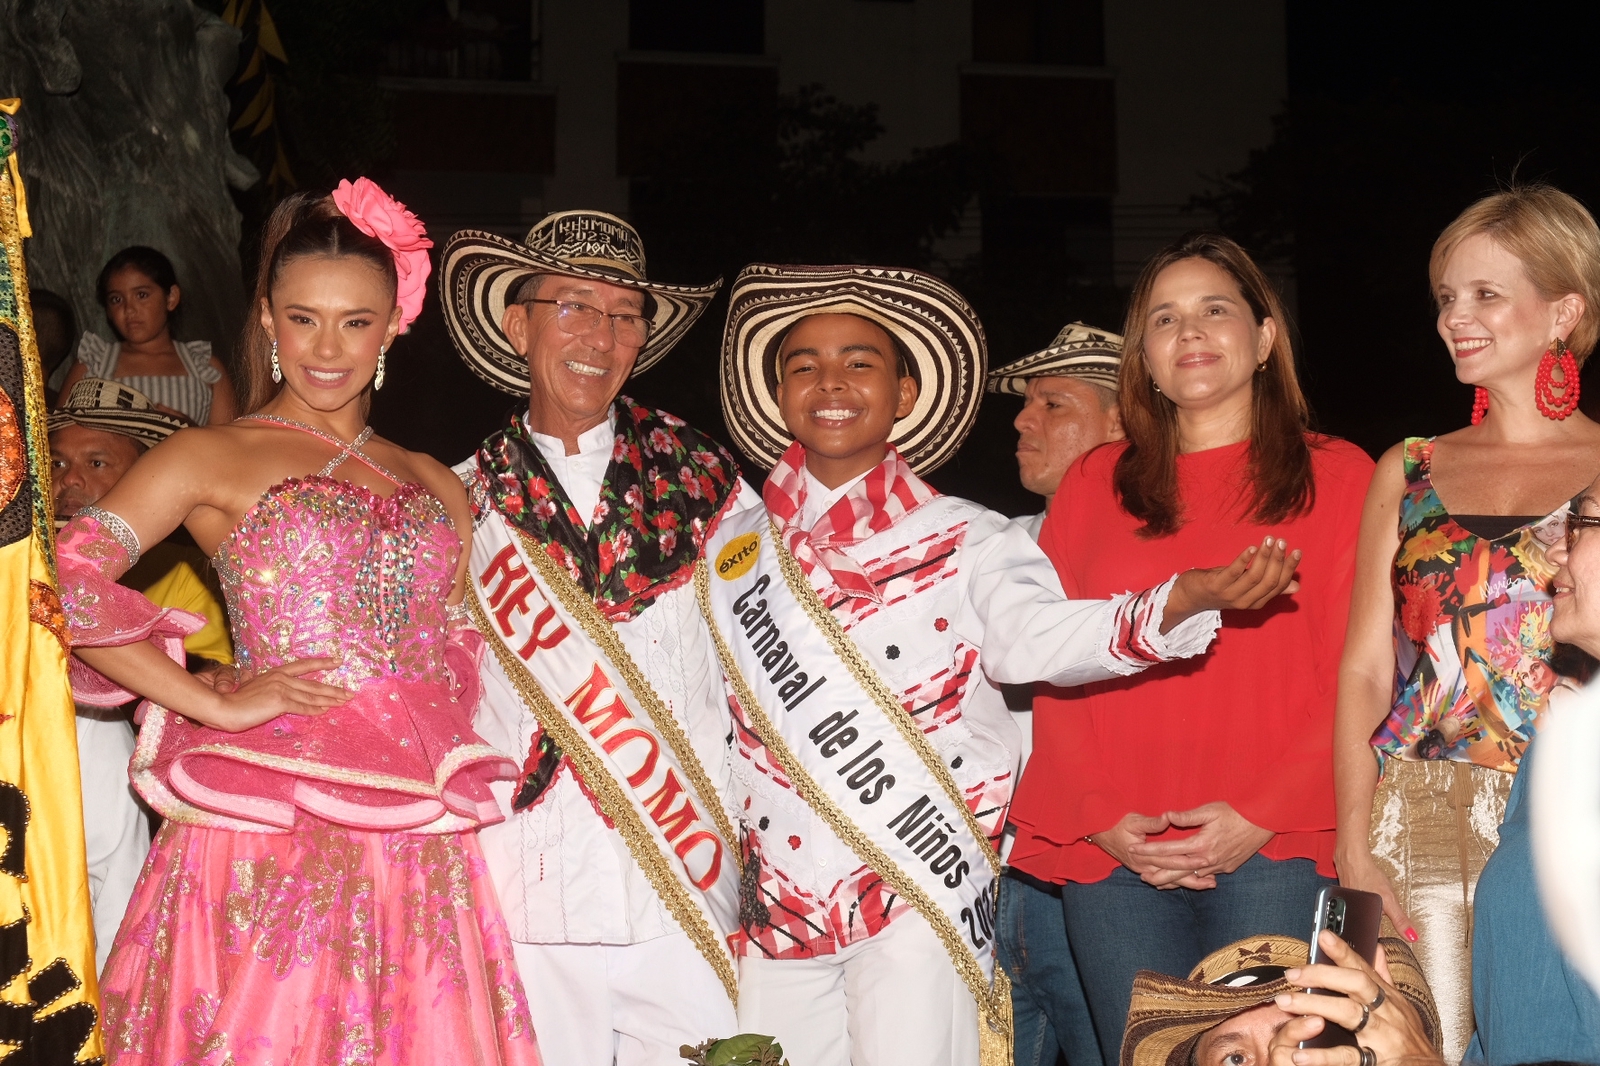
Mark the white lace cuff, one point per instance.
(1131, 638)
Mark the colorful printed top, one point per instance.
(1472, 631)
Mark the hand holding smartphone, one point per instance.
(1354, 917)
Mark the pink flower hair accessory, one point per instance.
(377, 214)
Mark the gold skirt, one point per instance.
(1434, 825)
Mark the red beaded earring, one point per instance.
(1556, 402)
(1480, 404)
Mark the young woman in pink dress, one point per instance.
(317, 894)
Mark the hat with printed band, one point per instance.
(938, 328)
(480, 273)
(1079, 351)
(111, 406)
(1168, 1015)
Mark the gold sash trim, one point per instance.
(994, 1001)
(613, 802)
(578, 604)
(865, 676)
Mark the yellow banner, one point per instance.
(49, 999)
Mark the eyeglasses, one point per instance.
(576, 320)
(1575, 522)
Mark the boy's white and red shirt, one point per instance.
(947, 600)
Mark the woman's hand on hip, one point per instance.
(281, 690)
(1361, 871)
(1370, 1006)
(1257, 577)
(1226, 839)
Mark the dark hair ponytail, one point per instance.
(303, 225)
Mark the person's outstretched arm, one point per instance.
(1018, 614)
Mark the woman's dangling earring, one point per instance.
(1556, 402)
(1480, 404)
(377, 379)
(277, 371)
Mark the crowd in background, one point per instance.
(1170, 829)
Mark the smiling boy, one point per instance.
(863, 622)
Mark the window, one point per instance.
(730, 26)
(1042, 134)
(484, 40)
(665, 108)
(1056, 32)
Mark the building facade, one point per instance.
(1095, 121)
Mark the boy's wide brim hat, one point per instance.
(112, 407)
(1168, 1015)
(1079, 351)
(480, 273)
(939, 329)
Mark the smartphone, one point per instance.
(1353, 916)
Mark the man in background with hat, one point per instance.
(1069, 391)
(617, 865)
(95, 436)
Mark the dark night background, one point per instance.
(1396, 117)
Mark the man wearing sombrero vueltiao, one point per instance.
(863, 622)
(618, 864)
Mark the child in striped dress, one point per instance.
(139, 290)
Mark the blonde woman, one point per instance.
(1446, 668)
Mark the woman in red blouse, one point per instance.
(1193, 806)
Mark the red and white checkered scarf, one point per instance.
(888, 493)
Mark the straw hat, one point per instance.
(111, 406)
(940, 332)
(481, 272)
(1167, 1015)
(1078, 351)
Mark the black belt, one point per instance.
(1047, 887)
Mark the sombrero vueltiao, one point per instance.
(1078, 351)
(939, 329)
(1168, 1015)
(481, 272)
(111, 406)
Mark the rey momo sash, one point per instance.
(854, 755)
(575, 676)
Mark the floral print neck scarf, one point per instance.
(664, 491)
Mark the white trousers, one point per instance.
(631, 1004)
(891, 1000)
(115, 834)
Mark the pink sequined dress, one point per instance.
(317, 894)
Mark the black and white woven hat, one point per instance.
(1078, 351)
(481, 272)
(938, 327)
(111, 406)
